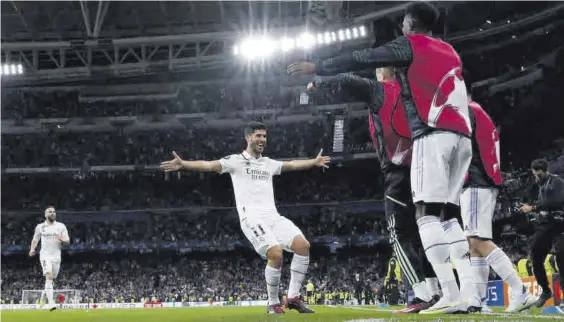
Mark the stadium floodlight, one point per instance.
(348, 33)
(235, 50)
(11, 69)
(254, 48)
(327, 37)
(341, 34)
(355, 32)
(287, 44)
(305, 40)
(362, 31)
(333, 36)
(320, 39)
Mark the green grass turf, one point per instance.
(249, 314)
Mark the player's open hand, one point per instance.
(303, 67)
(322, 161)
(172, 165)
(526, 208)
(31, 253)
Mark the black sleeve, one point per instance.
(397, 53)
(554, 198)
(363, 89)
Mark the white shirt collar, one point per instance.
(250, 157)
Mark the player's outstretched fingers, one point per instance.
(320, 153)
(175, 155)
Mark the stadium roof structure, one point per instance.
(58, 41)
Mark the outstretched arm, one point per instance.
(296, 165)
(365, 90)
(202, 166)
(397, 53)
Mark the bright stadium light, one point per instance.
(341, 34)
(6, 69)
(320, 39)
(355, 32)
(20, 69)
(235, 50)
(362, 31)
(348, 33)
(333, 36)
(11, 69)
(305, 40)
(287, 44)
(327, 37)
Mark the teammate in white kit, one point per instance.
(268, 231)
(52, 235)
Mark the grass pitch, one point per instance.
(251, 314)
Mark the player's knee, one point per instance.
(300, 246)
(48, 276)
(275, 254)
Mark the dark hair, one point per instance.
(424, 15)
(254, 126)
(540, 164)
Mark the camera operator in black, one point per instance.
(549, 207)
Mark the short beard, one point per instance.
(50, 219)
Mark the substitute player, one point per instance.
(268, 231)
(392, 141)
(477, 204)
(433, 91)
(52, 235)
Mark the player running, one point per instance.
(433, 92)
(268, 231)
(477, 204)
(52, 235)
(392, 141)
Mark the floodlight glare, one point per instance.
(320, 39)
(6, 69)
(327, 37)
(341, 34)
(20, 69)
(287, 44)
(355, 32)
(362, 31)
(306, 40)
(348, 33)
(333, 36)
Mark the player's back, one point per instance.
(49, 233)
(252, 183)
(485, 167)
(437, 88)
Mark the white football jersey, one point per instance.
(252, 183)
(50, 246)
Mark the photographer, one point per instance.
(549, 207)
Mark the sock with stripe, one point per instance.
(460, 256)
(437, 251)
(272, 277)
(298, 270)
(501, 264)
(481, 271)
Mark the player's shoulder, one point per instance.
(60, 224)
(233, 157)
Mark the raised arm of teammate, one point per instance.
(35, 241)
(396, 53)
(363, 89)
(202, 166)
(296, 165)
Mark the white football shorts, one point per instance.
(477, 206)
(266, 232)
(439, 164)
(50, 266)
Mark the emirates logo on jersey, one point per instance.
(451, 94)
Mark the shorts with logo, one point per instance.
(439, 164)
(477, 206)
(266, 232)
(50, 265)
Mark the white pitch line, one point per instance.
(507, 315)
